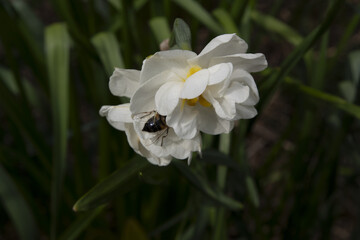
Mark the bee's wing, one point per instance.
(158, 137)
(143, 116)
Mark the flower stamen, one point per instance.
(200, 99)
(193, 70)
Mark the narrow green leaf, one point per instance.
(160, 28)
(17, 208)
(354, 58)
(57, 44)
(195, 9)
(276, 79)
(10, 82)
(181, 35)
(10, 104)
(133, 230)
(29, 18)
(226, 21)
(138, 4)
(108, 49)
(351, 27)
(116, 4)
(329, 98)
(116, 183)
(253, 193)
(203, 185)
(276, 26)
(219, 158)
(81, 223)
(220, 221)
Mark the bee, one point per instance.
(156, 124)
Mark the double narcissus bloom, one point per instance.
(183, 94)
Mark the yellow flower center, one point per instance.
(200, 99)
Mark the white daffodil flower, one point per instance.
(205, 92)
(158, 149)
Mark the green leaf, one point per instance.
(253, 193)
(116, 4)
(81, 223)
(326, 97)
(354, 58)
(218, 158)
(108, 49)
(195, 9)
(226, 20)
(276, 26)
(133, 230)
(22, 118)
(181, 35)
(116, 183)
(17, 208)
(160, 28)
(10, 82)
(202, 184)
(29, 18)
(57, 44)
(276, 79)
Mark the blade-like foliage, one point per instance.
(57, 43)
(119, 182)
(17, 208)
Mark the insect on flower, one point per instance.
(154, 123)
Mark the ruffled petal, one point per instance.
(224, 109)
(167, 97)
(117, 116)
(246, 61)
(219, 73)
(195, 84)
(245, 112)
(226, 44)
(140, 149)
(185, 147)
(124, 82)
(171, 60)
(184, 121)
(168, 143)
(209, 122)
(240, 76)
(144, 98)
(237, 92)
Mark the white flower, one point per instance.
(205, 92)
(157, 151)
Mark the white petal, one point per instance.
(246, 61)
(184, 121)
(195, 84)
(245, 112)
(219, 73)
(237, 92)
(222, 45)
(124, 82)
(172, 60)
(117, 116)
(245, 78)
(139, 148)
(209, 122)
(144, 98)
(167, 97)
(134, 140)
(184, 148)
(223, 107)
(240, 76)
(227, 125)
(164, 161)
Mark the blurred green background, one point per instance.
(293, 172)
